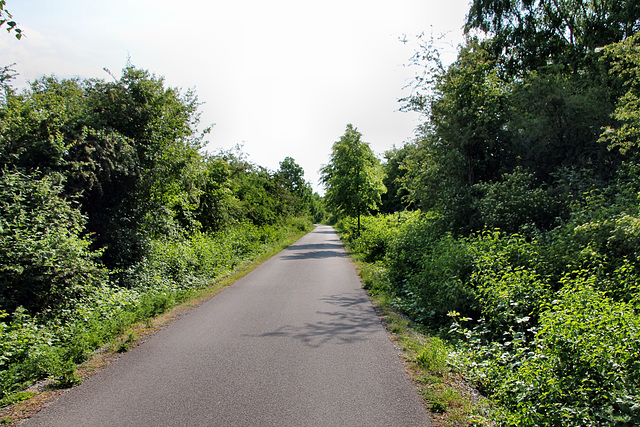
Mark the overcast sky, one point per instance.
(281, 77)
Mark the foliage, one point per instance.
(526, 169)
(127, 149)
(547, 325)
(396, 198)
(376, 234)
(33, 348)
(353, 177)
(434, 356)
(7, 19)
(514, 202)
(625, 57)
(528, 34)
(292, 175)
(45, 263)
(583, 366)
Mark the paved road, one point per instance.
(294, 343)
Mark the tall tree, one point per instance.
(625, 134)
(353, 177)
(395, 199)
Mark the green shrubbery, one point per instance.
(45, 261)
(549, 326)
(48, 346)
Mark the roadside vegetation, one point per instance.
(509, 232)
(111, 213)
(502, 243)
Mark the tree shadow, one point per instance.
(314, 251)
(324, 231)
(353, 322)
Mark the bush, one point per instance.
(514, 202)
(584, 365)
(376, 233)
(507, 284)
(440, 285)
(45, 263)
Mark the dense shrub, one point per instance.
(514, 202)
(35, 348)
(45, 262)
(583, 366)
(376, 233)
(548, 326)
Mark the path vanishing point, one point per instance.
(294, 343)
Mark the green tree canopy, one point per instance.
(292, 176)
(625, 57)
(353, 177)
(532, 33)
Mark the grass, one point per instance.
(428, 361)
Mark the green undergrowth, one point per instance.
(430, 360)
(545, 324)
(176, 271)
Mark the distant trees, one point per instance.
(353, 176)
(292, 176)
(119, 165)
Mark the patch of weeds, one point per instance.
(125, 344)
(397, 324)
(16, 397)
(68, 376)
(68, 380)
(6, 421)
(434, 356)
(441, 397)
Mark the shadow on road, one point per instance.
(323, 232)
(353, 322)
(314, 251)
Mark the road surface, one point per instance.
(294, 343)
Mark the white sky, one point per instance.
(281, 77)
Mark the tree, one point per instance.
(353, 177)
(625, 57)
(395, 199)
(292, 176)
(528, 34)
(127, 149)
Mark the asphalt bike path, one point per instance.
(294, 343)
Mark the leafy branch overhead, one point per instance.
(7, 19)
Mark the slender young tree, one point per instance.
(353, 177)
